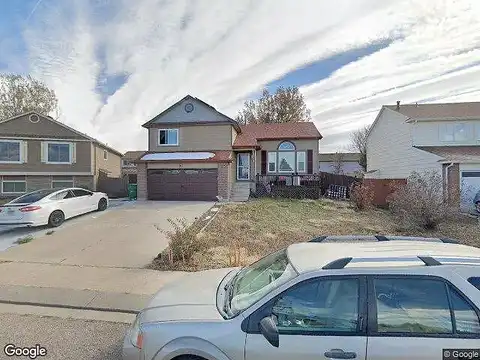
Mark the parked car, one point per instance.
(51, 206)
(412, 298)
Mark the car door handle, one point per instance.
(340, 354)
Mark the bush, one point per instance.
(420, 203)
(361, 195)
(183, 243)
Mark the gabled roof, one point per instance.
(49, 118)
(333, 156)
(133, 155)
(461, 110)
(252, 133)
(189, 97)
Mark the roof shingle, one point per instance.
(465, 110)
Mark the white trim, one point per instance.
(158, 137)
(49, 173)
(304, 161)
(20, 151)
(14, 181)
(268, 161)
(70, 151)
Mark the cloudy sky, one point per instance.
(116, 63)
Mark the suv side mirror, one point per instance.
(269, 330)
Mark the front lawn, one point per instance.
(241, 233)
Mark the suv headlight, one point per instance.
(136, 336)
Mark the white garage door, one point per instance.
(470, 187)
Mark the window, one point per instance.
(475, 281)
(412, 306)
(63, 195)
(59, 153)
(320, 305)
(301, 161)
(105, 155)
(286, 162)
(286, 146)
(272, 162)
(132, 178)
(168, 137)
(10, 151)
(127, 163)
(466, 319)
(80, 192)
(457, 132)
(61, 184)
(14, 186)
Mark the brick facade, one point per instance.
(453, 190)
(224, 183)
(142, 192)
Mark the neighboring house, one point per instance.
(129, 168)
(418, 137)
(340, 163)
(38, 152)
(197, 153)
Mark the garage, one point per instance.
(182, 184)
(470, 185)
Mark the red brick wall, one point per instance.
(142, 181)
(224, 180)
(382, 188)
(454, 184)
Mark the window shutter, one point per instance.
(42, 152)
(264, 162)
(73, 149)
(310, 161)
(25, 152)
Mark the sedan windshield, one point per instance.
(255, 281)
(33, 196)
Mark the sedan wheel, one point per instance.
(102, 204)
(56, 218)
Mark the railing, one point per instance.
(289, 186)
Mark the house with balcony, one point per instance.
(38, 152)
(439, 137)
(196, 152)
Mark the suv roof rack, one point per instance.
(426, 259)
(350, 238)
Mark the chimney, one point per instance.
(398, 105)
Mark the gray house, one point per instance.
(38, 152)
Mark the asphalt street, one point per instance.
(62, 338)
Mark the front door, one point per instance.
(243, 166)
(319, 319)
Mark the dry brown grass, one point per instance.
(241, 233)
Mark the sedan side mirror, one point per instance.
(269, 330)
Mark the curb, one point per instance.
(72, 307)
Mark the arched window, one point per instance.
(286, 146)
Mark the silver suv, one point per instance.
(355, 297)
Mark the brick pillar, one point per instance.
(454, 184)
(224, 180)
(142, 181)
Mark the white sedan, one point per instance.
(51, 206)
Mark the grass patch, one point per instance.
(242, 233)
(24, 240)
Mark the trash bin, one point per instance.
(132, 191)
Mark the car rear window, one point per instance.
(33, 196)
(475, 281)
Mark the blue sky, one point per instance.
(114, 65)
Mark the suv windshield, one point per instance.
(33, 196)
(255, 281)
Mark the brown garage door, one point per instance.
(182, 184)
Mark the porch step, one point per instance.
(240, 192)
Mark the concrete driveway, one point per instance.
(125, 237)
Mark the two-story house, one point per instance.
(197, 153)
(419, 137)
(38, 152)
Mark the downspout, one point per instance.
(446, 180)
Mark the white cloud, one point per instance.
(223, 51)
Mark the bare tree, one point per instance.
(358, 143)
(286, 105)
(19, 94)
(338, 162)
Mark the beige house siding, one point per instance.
(234, 134)
(300, 145)
(390, 152)
(194, 138)
(112, 165)
(34, 163)
(86, 182)
(44, 128)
